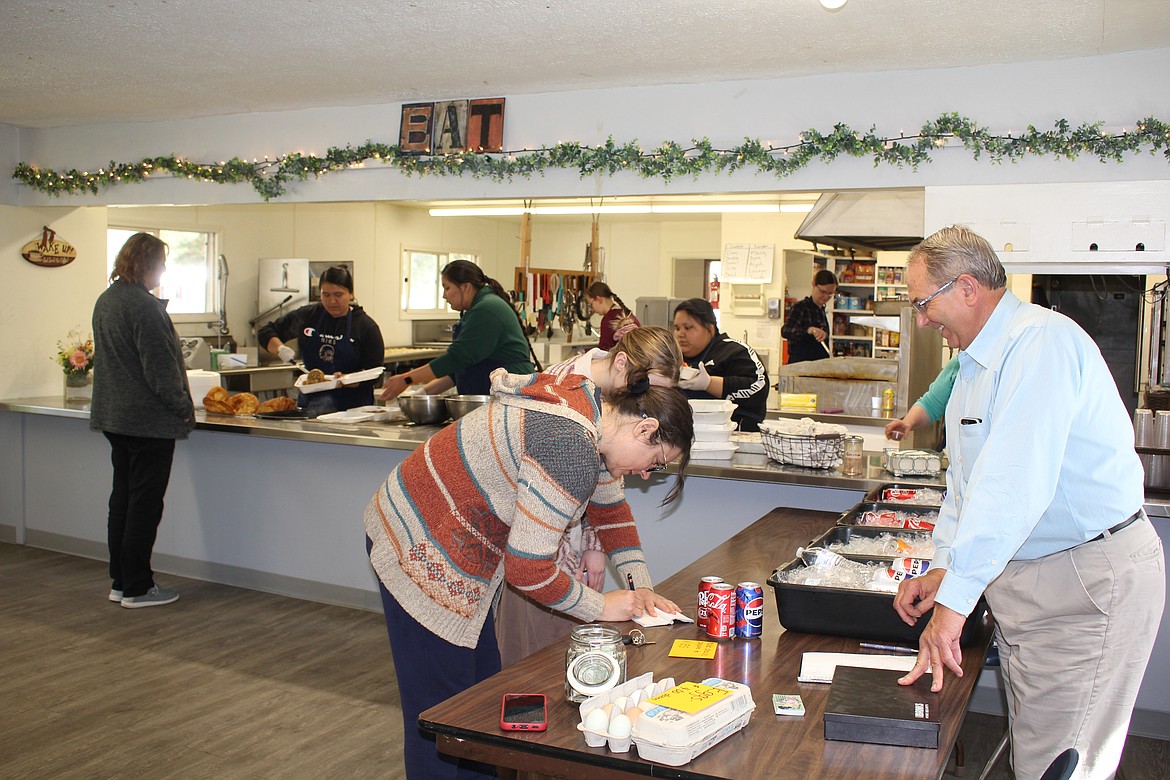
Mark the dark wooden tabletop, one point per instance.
(770, 746)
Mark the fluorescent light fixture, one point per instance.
(727, 208)
(486, 211)
(569, 210)
(668, 208)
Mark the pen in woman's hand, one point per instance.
(630, 581)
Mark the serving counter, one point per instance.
(277, 505)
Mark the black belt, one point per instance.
(1126, 523)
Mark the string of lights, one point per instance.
(670, 160)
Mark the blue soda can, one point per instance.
(749, 610)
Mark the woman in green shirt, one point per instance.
(488, 336)
(931, 406)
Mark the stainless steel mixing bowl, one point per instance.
(423, 409)
(459, 405)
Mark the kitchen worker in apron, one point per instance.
(336, 336)
(488, 336)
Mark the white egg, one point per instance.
(619, 704)
(596, 720)
(620, 726)
(635, 700)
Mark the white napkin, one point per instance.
(663, 618)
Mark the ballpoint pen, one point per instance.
(889, 648)
(630, 581)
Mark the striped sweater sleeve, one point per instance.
(611, 518)
(557, 475)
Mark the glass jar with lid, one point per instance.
(594, 662)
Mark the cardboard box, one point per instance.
(868, 705)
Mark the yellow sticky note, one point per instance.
(690, 697)
(693, 648)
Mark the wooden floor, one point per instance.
(231, 683)
(224, 683)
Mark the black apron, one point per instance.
(332, 354)
(476, 378)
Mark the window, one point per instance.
(190, 279)
(422, 285)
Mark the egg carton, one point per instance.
(670, 737)
(903, 463)
(631, 689)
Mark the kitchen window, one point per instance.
(189, 282)
(422, 286)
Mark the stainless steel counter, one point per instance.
(406, 436)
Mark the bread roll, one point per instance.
(244, 403)
(217, 407)
(316, 376)
(279, 404)
(216, 393)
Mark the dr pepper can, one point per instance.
(701, 611)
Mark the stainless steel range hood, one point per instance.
(866, 220)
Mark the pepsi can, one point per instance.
(701, 611)
(721, 611)
(749, 610)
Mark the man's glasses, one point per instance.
(920, 304)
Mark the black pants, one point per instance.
(142, 468)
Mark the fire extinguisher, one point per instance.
(713, 294)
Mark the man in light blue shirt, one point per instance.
(1043, 514)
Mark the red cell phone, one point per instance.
(524, 712)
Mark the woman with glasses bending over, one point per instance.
(643, 357)
(486, 501)
(807, 325)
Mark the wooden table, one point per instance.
(770, 746)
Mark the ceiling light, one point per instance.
(833, 5)
(666, 208)
(715, 208)
(485, 211)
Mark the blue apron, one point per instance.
(476, 378)
(332, 354)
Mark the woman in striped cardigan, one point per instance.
(487, 500)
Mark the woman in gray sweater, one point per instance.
(141, 402)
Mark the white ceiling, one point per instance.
(81, 62)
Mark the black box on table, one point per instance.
(868, 705)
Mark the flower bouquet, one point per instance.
(76, 359)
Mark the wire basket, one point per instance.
(820, 451)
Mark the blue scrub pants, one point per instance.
(431, 670)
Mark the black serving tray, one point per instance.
(860, 614)
(844, 533)
(878, 493)
(853, 516)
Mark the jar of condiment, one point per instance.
(852, 465)
(594, 662)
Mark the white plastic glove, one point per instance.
(700, 382)
(285, 354)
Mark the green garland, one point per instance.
(668, 161)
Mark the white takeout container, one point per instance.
(332, 383)
(720, 432)
(712, 450)
(711, 411)
(358, 414)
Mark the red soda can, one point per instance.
(721, 611)
(749, 610)
(701, 611)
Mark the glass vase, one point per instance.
(78, 388)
